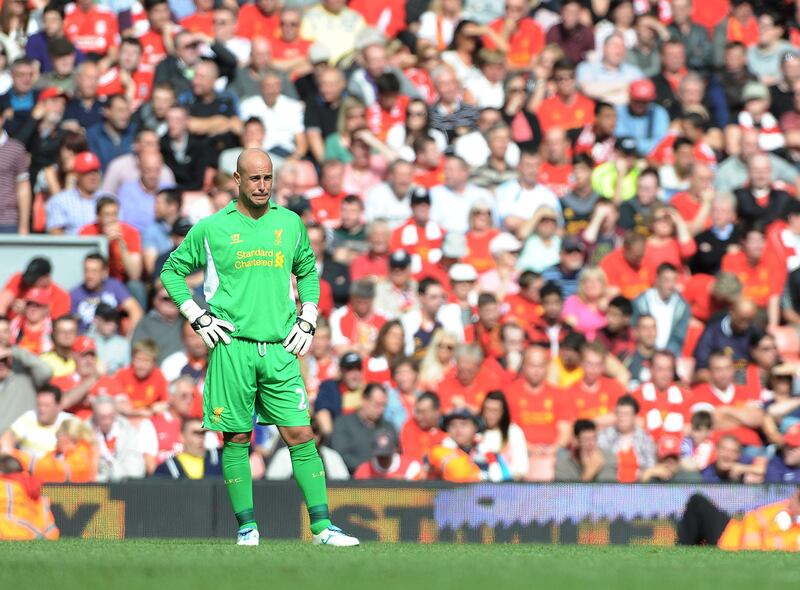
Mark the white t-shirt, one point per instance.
(451, 210)
(35, 438)
(512, 199)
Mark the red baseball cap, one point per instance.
(38, 296)
(84, 344)
(86, 162)
(642, 90)
(669, 446)
(52, 92)
(792, 436)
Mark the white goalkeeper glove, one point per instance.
(208, 326)
(299, 339)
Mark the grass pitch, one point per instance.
(219, 565)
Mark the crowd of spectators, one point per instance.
(557, 240)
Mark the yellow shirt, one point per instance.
(337, 32)
(61, 367)
(567, 378)
(194, 467)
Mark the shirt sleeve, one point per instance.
(56, 215)
(183, 261)
(304, 267)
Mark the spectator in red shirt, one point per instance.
(624, 268)
(761, 273)
(124, 241)
(469, 382)
(92, 28)
(142, 383)
(387, 462)
(736, 408)
(80, 387)
(542, 410)
(516, 34)
(31, 330)
(326, 200)
(289, 50)
(168, 422)
(373, 264)
(665, 405)
(37, 275)
(390, 107)
(670, 240)
(157, 41)
(422, 431)
(419, 236)
(694, 205)
(567, 109)
(355, 326)
(126, 77)
(260, 19)
(202, 19)
(595, 395)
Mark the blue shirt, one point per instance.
(85, 117)
(136, 205)
(329, 398)
(156, 236)
(107, 148)
(69, 211)
(779, 472)
(85, 302)
(568, 283)
(648, 130)
(710, 474)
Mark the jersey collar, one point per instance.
(231, 207)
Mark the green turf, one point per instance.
(175, 565)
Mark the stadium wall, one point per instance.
(596, 514)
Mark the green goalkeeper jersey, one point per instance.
(248, 265)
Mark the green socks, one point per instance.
(239, 481)
(310, 476)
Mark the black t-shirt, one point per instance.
(633, 216)
(710, 250)
(792, 293)
(223, 104)
(320, 115)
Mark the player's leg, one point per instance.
(282, 400)
(228, 406)
(702, 522)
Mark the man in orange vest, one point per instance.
(27, 514)
(774, 527)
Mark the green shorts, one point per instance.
(246, 378)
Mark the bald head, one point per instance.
(743, 313)
(253, 175)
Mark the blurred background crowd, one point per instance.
(557, 240)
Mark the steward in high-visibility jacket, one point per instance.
(774, 527)
(24, 514)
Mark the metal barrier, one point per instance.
(597, 514)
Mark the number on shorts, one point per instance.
(303, 405)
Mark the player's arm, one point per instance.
(304, 268)
(183, 261)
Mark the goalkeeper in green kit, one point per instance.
(249, 250)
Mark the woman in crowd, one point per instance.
(401, 138)
(438, 360)
(586, 310)
(502, 436)
(782, 408)
(16, 25)
(60, 176)
(481, 232)
(352, 117)
(403, 395)
(438, 24)
(763, 359)
(462, 55)
(74, 459)
(542, 241)
(670, 239)
(388, 349)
